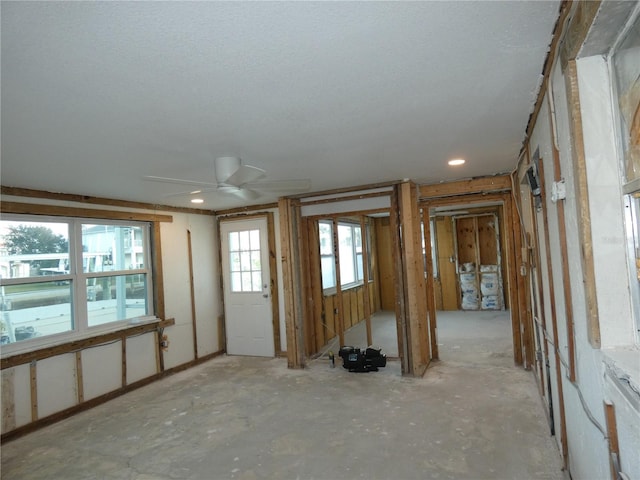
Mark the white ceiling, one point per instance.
(96, 95)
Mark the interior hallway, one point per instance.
(473, 416)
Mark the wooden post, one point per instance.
(430, 287)
(289, 226)
(273, 281)
(123, 342)
(158, 287)
(194, 325)
(414, 283)
(513, 245)
(398, 269)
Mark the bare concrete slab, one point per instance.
(252, 418)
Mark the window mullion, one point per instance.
(79, 304)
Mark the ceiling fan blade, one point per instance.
(283, 186)
(179, 181)
(245, 174)
(243, 193)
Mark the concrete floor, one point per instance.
(473, 416)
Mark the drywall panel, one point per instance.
(16, 397)
(605, 202)
(177, 291)
(204, 244)
(374, 203)
(56, 384)
(101, 369)
(141, 357)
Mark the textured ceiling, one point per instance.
(96, 95)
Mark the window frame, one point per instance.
(630, 187)
(357, 253)
(77, 278)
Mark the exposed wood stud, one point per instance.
(515, 279)
(192, 295)
(273, 282)
(582, 205)
(482, 185)
(336, 191)
(79, 379)
(123, 343)
(33, 383)
(612, 436)
(429, 287)
(401, 323)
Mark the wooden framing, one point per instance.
(56, 417)
(292, 281)
(582, 18)
(67, 197)
(273, 287)
(497, 183)
(520, 324)
(406, 362)
(339, 298)
(338, 191)
(33, 386)
(429, 285)
(612, 437)
(365, 281)
(76, 345)
(582, 204)
(79, 378)
(192, 296)
(58, 211)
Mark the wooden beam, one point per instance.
(514, 244)
(430, 287)
(481, 185)
(192, 296)
(289, 225)
(337, 191)
(576, 33)
(75, 345)
(247, 210)
(612, 436)
(347, 198)
(582, 204)
(398, 268)
(33, 384)
(67, 197)
(494, 197)
(58, 211)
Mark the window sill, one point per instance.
(622, 369)
(67, 344)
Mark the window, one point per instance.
(350, 251)
(67, 276)
(244, 261)
(626, 70)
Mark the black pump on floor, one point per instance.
(355, 360)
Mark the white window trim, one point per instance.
(78, 278)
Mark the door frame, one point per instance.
(273, 276)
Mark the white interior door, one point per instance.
(246, 280)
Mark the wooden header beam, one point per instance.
(482, 185)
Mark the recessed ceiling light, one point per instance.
(456, 161)
(197, 200)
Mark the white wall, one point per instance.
(595, 383)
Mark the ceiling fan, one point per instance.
(234, 178)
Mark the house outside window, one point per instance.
(64, 277)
